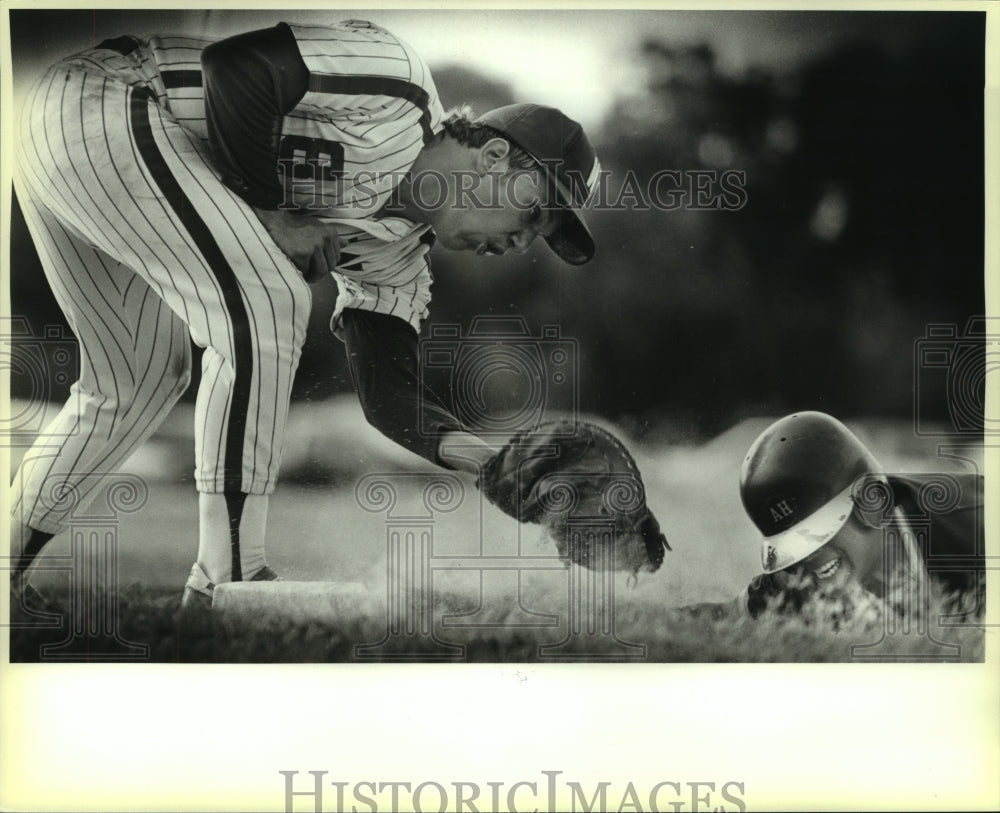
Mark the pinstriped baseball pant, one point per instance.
(142, 244)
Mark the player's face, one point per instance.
(854, 553)
(496, 212)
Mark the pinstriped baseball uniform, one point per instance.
(141, 236)
(387, 112)
(370, 108)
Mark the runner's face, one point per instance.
(855, 552)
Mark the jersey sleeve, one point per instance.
(388, 276)
(250, 82)
(382, 357)
(364, 65)
(409, 302)
(370, 108)
(293, 113)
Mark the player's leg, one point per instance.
(135, 362)
(122, 172)
(243, 399)
(224, 512)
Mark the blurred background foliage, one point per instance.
(863, 223)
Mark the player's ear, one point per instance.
(493, 156)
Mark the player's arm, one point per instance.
(251, 81)
(382, 357)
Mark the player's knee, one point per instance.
(177, 374)
(109, 401)
(180, 372)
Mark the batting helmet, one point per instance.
(801, 480)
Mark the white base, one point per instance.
(295, 601)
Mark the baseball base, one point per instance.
(293, 601)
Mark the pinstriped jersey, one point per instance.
(370, 108)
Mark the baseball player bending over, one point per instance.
(830, 518)
(174, 186)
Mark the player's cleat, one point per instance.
(199, 588)
(265, 574)
(24, 598)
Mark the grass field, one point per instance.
(149, 630)
(319, 532)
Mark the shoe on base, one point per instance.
(199, 588)
(265, 574)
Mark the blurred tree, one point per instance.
(863, 222)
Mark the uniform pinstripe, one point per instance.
(131, 333)
(140, 240)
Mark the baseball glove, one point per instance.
(582, 485)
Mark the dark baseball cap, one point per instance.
(560, 147)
